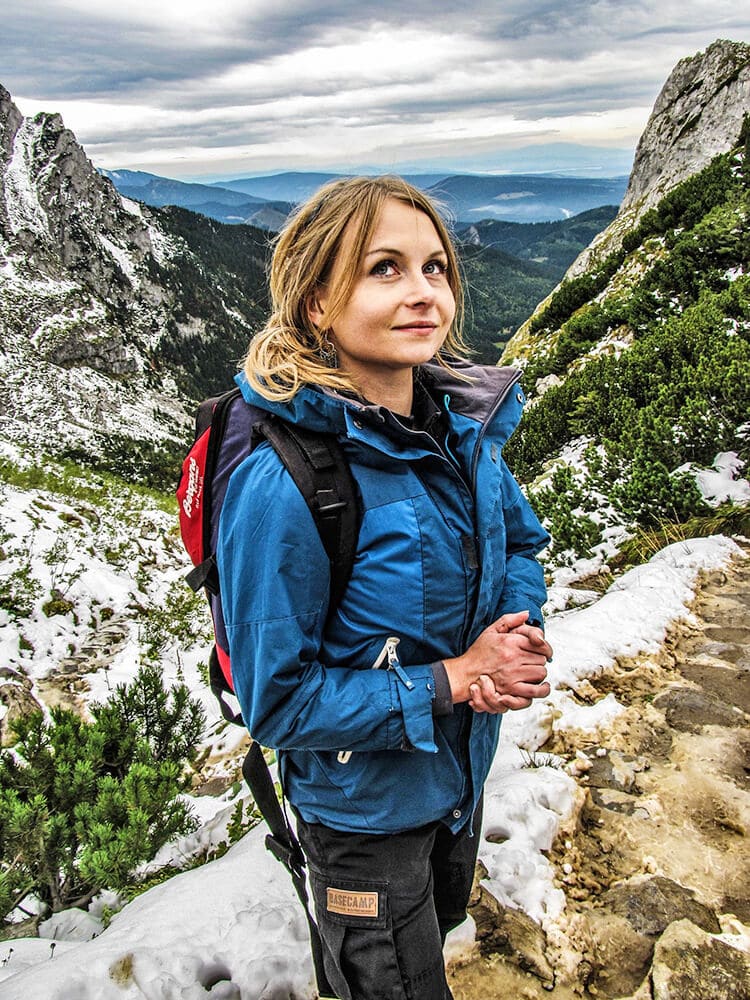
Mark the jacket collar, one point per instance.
(477, 398)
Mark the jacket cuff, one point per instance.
(442, 703)
(416, 708)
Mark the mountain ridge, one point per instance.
(516, 197)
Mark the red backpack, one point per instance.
(226, 431)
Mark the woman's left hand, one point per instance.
(484, 697)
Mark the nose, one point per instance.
(420, 290)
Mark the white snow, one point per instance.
(234, 928)
(121, 256)
(722, 482)
(21, 200)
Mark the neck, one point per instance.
(395, 390)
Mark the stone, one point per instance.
(502, 930)
(689, 964)
(621, 956)
(688, 710)
(19, 702)
(615, 770)
(651, 904)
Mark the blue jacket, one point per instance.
(447, 544)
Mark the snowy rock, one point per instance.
(80, 309)
(71, 925)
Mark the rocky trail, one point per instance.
(656, 863)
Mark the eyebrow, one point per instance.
(400, 253)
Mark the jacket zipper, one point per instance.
(388, 657)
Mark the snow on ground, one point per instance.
(722, 482)
(233, 928)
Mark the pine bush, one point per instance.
(83, 803)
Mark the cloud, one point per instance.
(183, 87)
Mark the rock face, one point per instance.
(108, 318)
(697, 115)
(79, 315)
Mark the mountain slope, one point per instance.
(697, 115)
(113, 317)
(638, 367)
(217, 202)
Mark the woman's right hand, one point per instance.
(504, 668)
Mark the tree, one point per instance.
(82, 803)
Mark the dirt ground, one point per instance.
(670, 798)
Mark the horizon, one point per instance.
(215, 180)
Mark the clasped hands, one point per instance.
(504, 669)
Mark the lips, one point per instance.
(417, 325)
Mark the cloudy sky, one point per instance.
(233, 87)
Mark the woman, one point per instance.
(384, 767)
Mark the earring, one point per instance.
(328, 354)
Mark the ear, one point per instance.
(315, 306)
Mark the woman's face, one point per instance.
(401, 306)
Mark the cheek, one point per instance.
(449, 306)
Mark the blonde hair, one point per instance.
(286, 354)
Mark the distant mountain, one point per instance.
(554, 244)
(524, 197)
(214, 201)
(159, 191)
(290, 186)
(467, 198)
(298, 186)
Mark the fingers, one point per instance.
(484, 698)
(529, 672)
(522, 696)
(536, 639)
(507, 622)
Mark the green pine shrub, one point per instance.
(83, 803)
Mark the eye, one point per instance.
(384, 268)
(436, 266)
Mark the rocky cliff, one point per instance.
(697, 114)
(104, 307)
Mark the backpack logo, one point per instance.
(194, 487)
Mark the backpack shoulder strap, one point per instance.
(317, 464)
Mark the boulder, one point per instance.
(651, 904)
(621, 956)
(689, 964)
(502, 930)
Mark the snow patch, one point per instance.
(21, 199)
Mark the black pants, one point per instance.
(384, 905)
